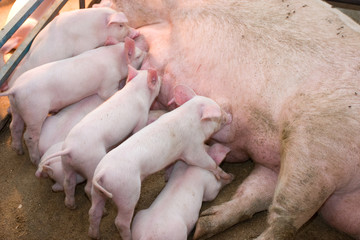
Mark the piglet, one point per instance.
(57, 126)
(109, 124)
(179, 134)
(52, 86)
(72, 33)
(175, 211)
(53, 168)
(53, 132)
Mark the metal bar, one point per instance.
(93, 2)
(20, 52)
(10, 28)
(4, 121)
(82, 3)
(354, 2)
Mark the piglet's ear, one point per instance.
(210, 111)
(182, 94)
(132, 72)
(47, 169)
(129, 49)
(117, 18)
(152, 78)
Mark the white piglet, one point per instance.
(179, 134)
(176, 209)
(53, 168)
(57, 126)
(105, 127)
(55, 85)
(72, 33)
(53, 133)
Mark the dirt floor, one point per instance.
(29, 210)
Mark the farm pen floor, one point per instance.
(29, 210)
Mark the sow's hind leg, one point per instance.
(252, 196)
(305, 180)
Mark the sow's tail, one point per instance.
(97, 185)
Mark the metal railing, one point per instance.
(10, 28)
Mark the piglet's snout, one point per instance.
(133, 33)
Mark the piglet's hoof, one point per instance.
(57, 187)
(35, 162)
(70, 204)
(35, 159)
(72, 207)
(221, 175)
(228, 178)
(19, 151)
(93, 233)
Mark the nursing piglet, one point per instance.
(57, 126)
(109, 124)
(179, 134)
(53, 133)
(176, 209)
(53, 86)
(53, 168)
(72, 33)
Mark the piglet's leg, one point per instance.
(31, 137)
(57, 187)
(303, 186)
(201, 158)
(252, 196)
(126, 199)
(17, 128)
(88, 187)
(69, 183)
(123, 222)
(95, 213)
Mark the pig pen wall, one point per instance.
(30, 210)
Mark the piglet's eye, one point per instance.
(121, 25)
